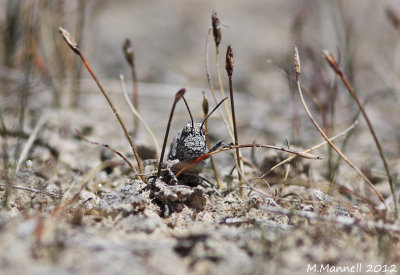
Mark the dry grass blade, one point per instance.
(314, 122)
(310, 149)
(228, 127)
(178, 96)
(30, 141)
(139, 117)
(190, 112)
(130, 58)
(216, 25)
(229, 70)
(53, 195)
(109, 148)
(231, 147)
(72, 44)
(205, 112)
(335, 66)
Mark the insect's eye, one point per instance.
(187, 128)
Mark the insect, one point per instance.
(188, 145)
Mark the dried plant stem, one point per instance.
(314, 122)
(130, 58)
(213, 165)
(85, 182)
(4, 172)
(30, 141)
(178, 96)
(139, 117)
(310, 149)
(109, 148)
(221, 88)
(25, 89)
(68, 39)
(228, 127)
(335, 168)
(231, 147)
(30, 190)
(229, 70)
(283, 182)
(335, 66)
(313, 98)
(135, 100)
(79, 38)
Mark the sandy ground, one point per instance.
(72, 212)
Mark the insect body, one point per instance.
(189, 143)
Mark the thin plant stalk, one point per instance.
(30, 141)
(190, 112)
(314, 122)
(222, 90)
(228, 127)
(109, 148)
(313, 98)
(130, 58)
(178, 96)
(335, 66)
(213, 165)
(332, 106)
(4, 172)
(80, 22)
(217, 38)
(24, 96)
(139, 117)
(309, 150)
(231, 147)
(72, 44)
(343, 148)
(30, 190)
(229, 70)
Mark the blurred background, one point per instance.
(38, 71)
(169, 41)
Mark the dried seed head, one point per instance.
(128, 52)
(212, 111)
(296, 62)
(216, 28)
(331, 61)
(205, 104)
(70, 41)
(179, 94)
(229, 61)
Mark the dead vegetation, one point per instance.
(74, 199)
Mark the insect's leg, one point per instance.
(172, 175)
